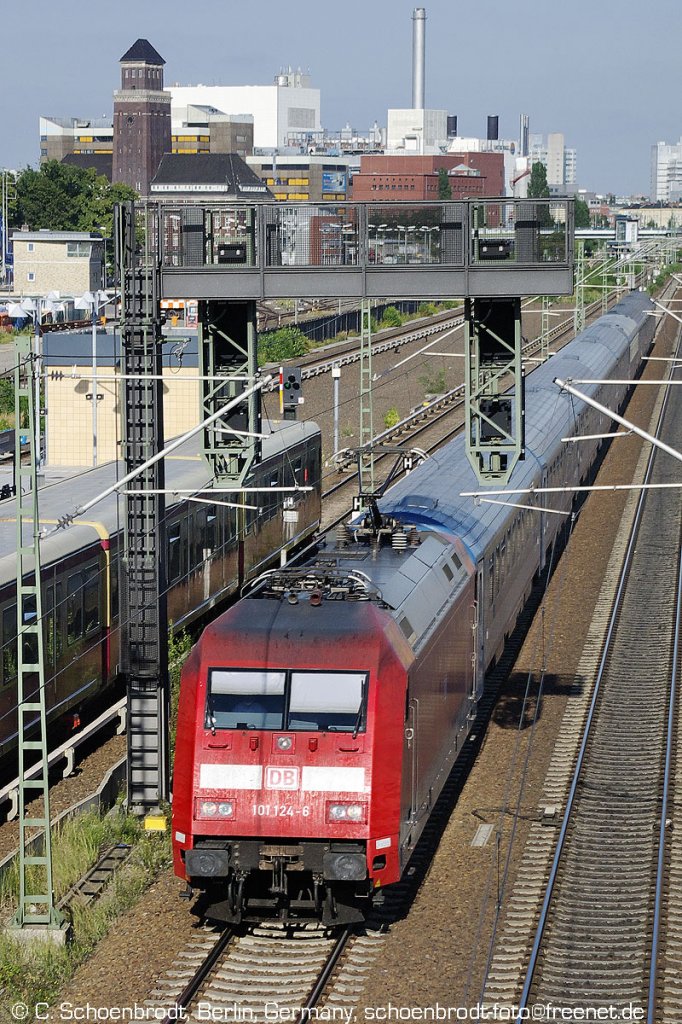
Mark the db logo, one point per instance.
(281, 778)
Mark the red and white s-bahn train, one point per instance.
(209, 556)
(320, 715)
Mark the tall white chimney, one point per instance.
(418, 57)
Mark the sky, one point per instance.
(606, 73)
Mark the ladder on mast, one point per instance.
(36, 907)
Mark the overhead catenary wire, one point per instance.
(165, 451)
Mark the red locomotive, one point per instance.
(299, 780)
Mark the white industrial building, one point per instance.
(281, 112)
(415, 130)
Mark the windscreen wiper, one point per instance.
(358, 722)
(211, 714)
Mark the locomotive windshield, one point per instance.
(312, 701)
(245, 699)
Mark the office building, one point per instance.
(666, 172)
(559, 160)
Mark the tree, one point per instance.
(537, 186)
(61, 197)
(444, 189)
(582, 214)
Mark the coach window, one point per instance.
(211, 528)
(331, 701)
(74, 608)
(60, 609)
(9, 644)
(230, 523)
(174, 552)
(245, 699)
(297, 471)
(274, 497)
(197, 538)
(91, 619)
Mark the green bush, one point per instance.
(392, 417)
(7, 397)
(282, 344)
(391, 318)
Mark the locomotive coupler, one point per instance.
(279, 877)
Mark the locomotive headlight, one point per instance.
(284, 743)
(346, 812)
(215, 809)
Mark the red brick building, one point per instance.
(395, 178)
(142, 117)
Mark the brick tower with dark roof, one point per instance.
(142, 117)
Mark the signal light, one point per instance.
(291, 387)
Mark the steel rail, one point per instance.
(325, 974)
(199, 977)
(668, 767)
(615, 612)
(351, 353)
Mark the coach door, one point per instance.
(410, 782)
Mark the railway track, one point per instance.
(345, 353)
(600, 899)
(264, 972)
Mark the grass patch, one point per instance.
(433, 384)
(37, 972)
(76, 846)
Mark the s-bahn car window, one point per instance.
(29, 640)
(211, 528)
(91, 599)
(74, 608)
(326, 701)
(9, 644)
(245, 699)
